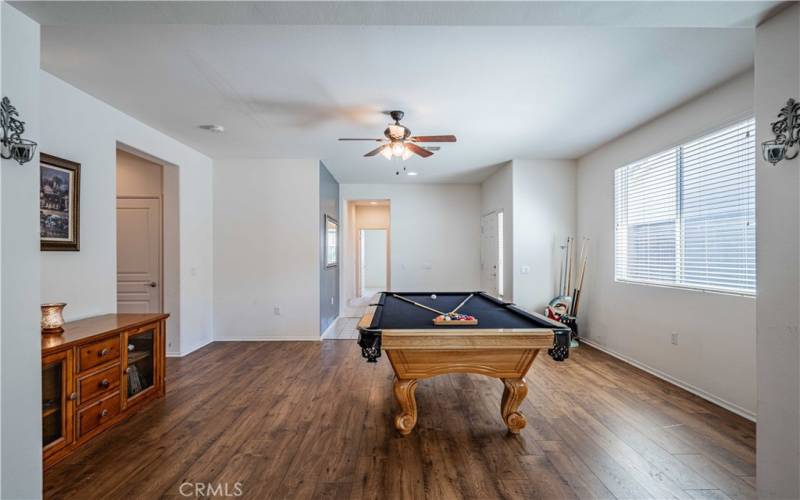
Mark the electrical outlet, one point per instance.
(277, 310)
(674, 338)
(525, 269)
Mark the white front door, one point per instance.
(490, 254)
(138, 255)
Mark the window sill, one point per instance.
(711, 291)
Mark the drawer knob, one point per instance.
(104, 383)
(104, 413)
(73, 396)
(105, 351)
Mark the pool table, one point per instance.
(503, 345)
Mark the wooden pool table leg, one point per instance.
(404, 392)
(513, 395)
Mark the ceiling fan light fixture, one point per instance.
(398, 148)
(397, 141)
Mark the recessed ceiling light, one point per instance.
(373, 203)
(217, 129)
(411, 173)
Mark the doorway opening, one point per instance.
(140, 236)
(373, 247)
(369, 237)
(492, 249)
(148, 238)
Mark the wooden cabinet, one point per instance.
(95, 374)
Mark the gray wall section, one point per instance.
(328, 276)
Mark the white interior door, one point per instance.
(490, 254)
(373, 260)
(138, 255)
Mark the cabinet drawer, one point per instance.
(97, 414)
(97, 353)
(98, 384)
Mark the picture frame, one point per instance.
(331, 242)
(59, 204)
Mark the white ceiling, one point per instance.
(288, 91)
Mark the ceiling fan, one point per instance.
(399, 142)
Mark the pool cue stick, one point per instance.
(562, 271)
(582, 275)
(569, 265)
(461, 304)
(417, 304)
(583, 264)
(574, 290)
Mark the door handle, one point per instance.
(152, 284)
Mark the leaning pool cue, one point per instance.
(580, 279)
(562, 271)
(418, 304)
(570, 242)
(461, 304)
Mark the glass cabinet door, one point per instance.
(140, 366)
(57, 401)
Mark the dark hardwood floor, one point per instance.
(313, 420)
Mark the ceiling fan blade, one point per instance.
(418, 150)
(358, 139)
(376, 150)
(434, 138)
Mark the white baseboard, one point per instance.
(268, 339)
(189, 351)
(742, 412)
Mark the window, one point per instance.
(686, 217)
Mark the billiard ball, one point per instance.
(433, 296)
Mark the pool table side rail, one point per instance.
(466, 339)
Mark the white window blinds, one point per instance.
(686, 216)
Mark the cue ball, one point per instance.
(433, 296)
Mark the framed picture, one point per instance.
(331, 242)
(59, 204)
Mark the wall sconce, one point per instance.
(787, 134)
(12, 146)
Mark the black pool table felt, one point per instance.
(392, 313)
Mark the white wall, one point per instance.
(497, 194)
(20, 340)
(435, 236)
(716, 352)
(81, 128)
(537, 198)
(544, 215)
(266, 249)
(778, 237)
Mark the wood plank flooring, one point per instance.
(313, 420)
